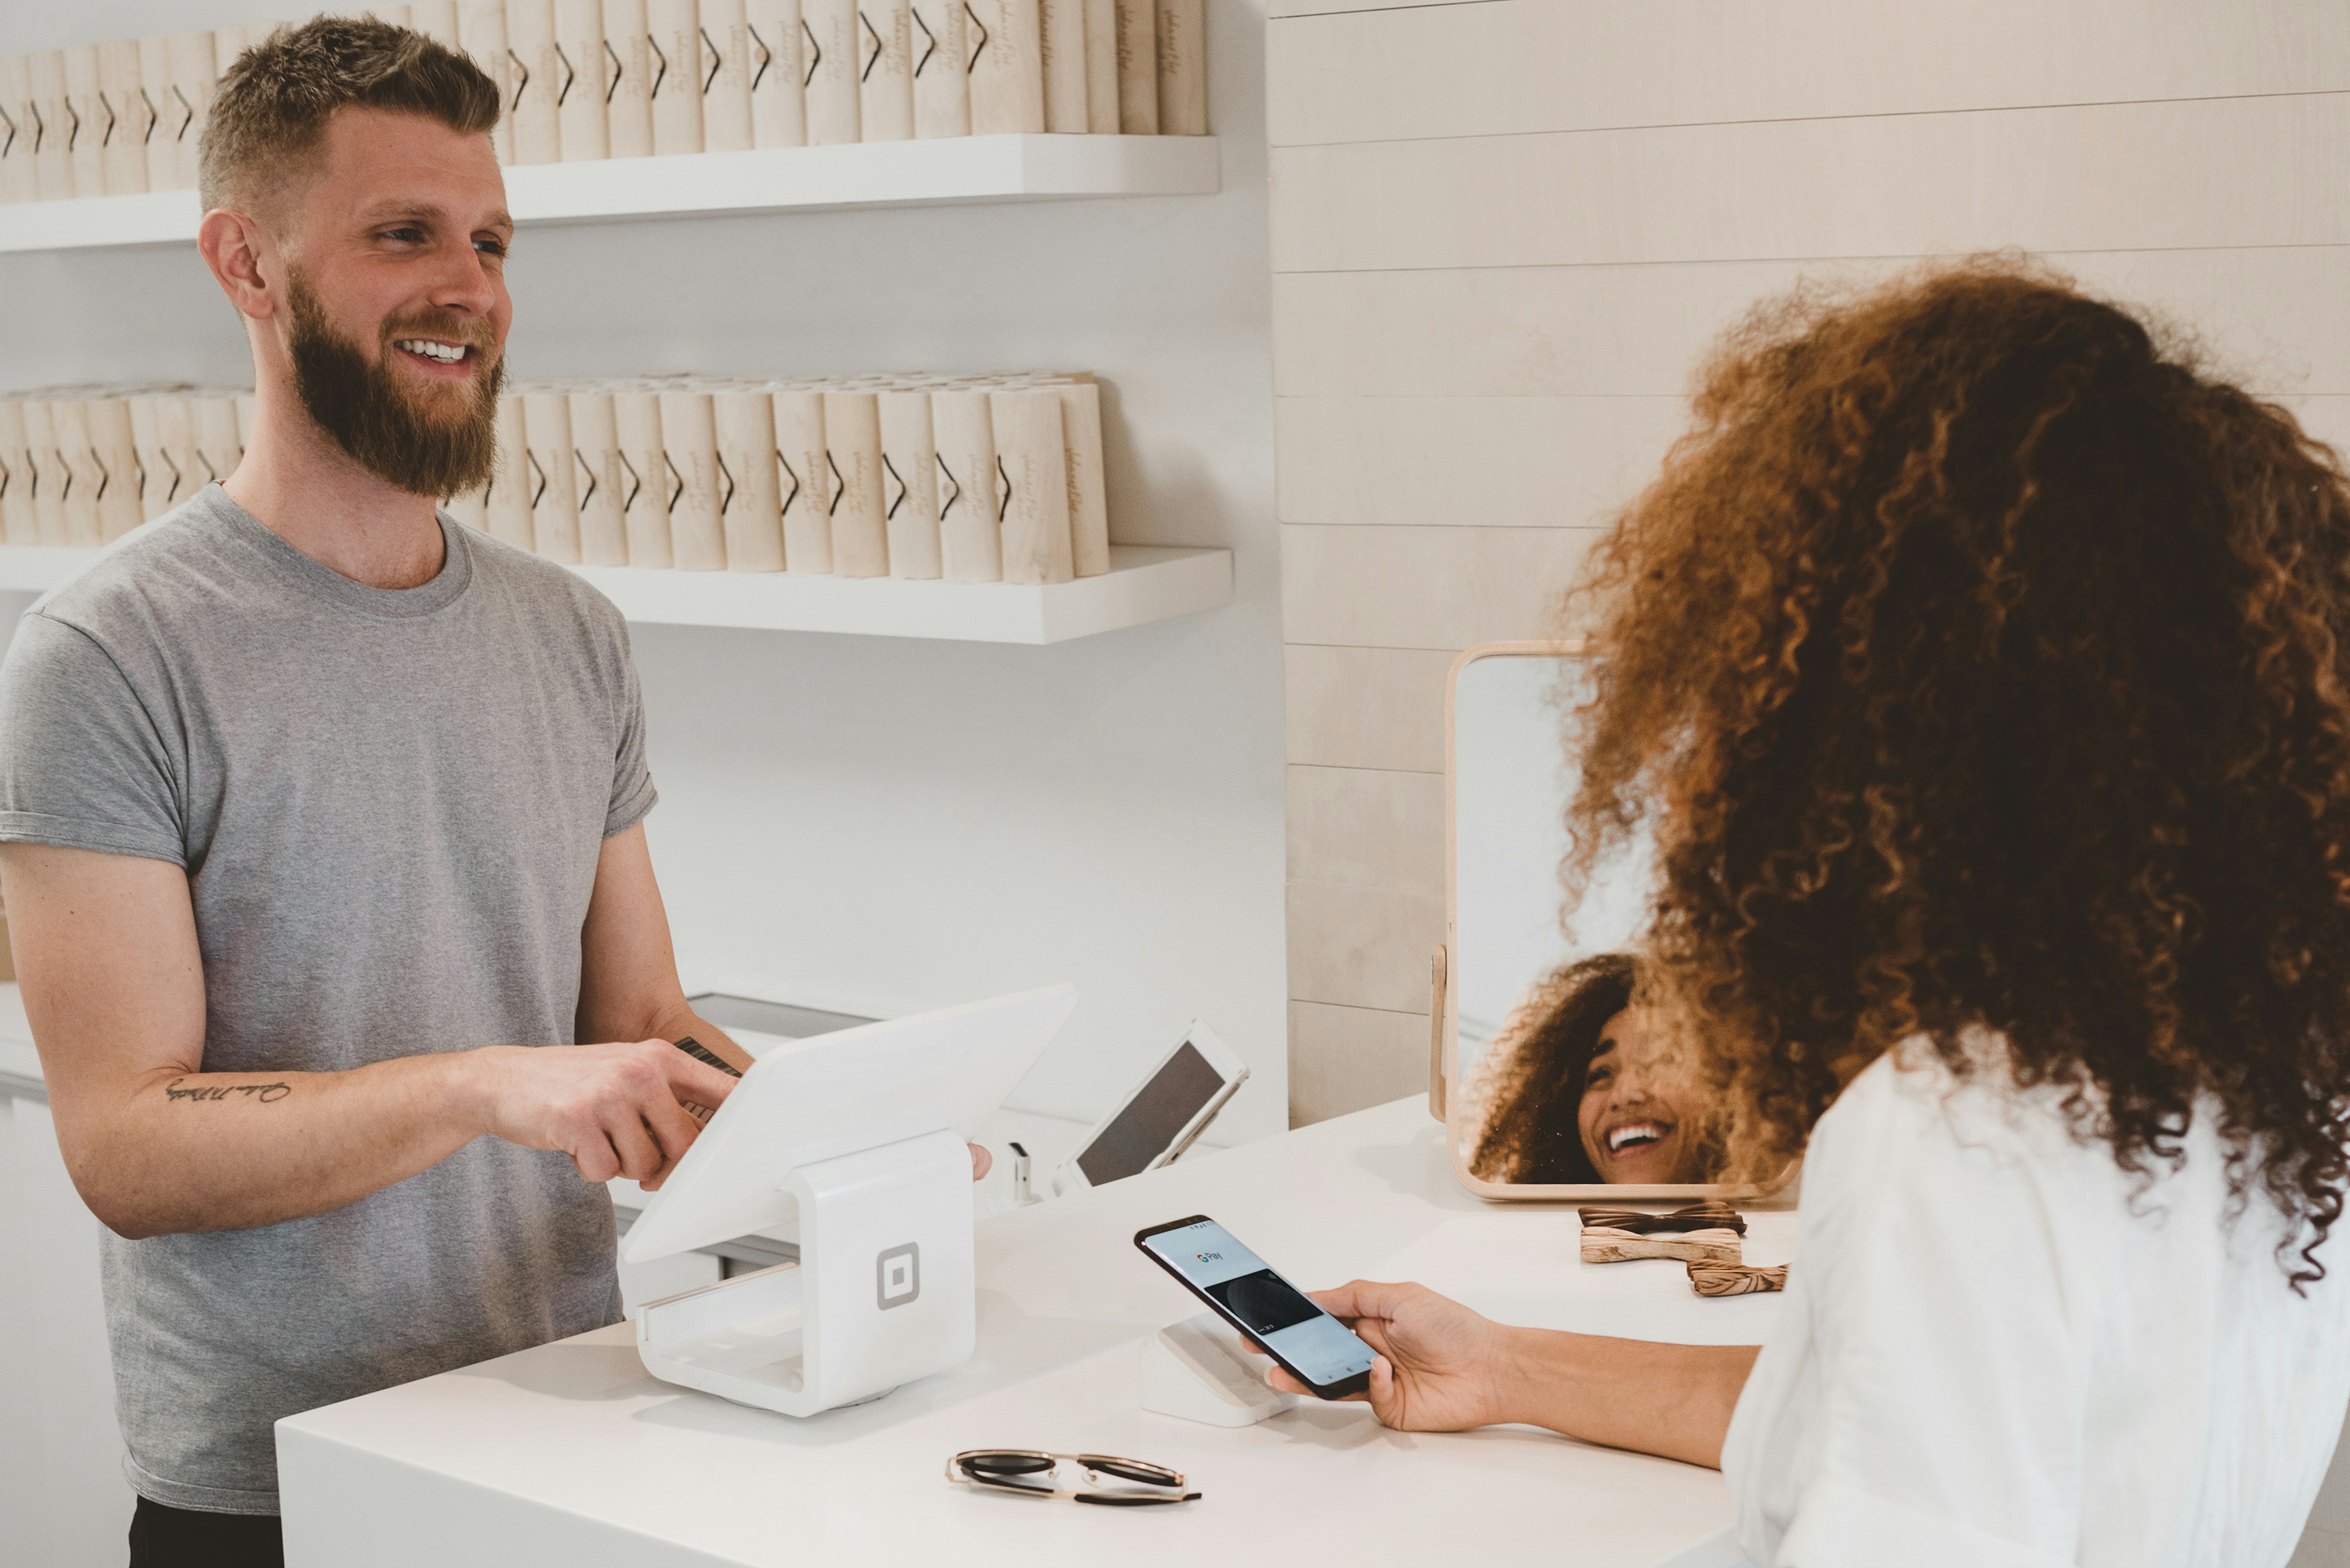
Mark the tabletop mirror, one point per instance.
(1549, 1087)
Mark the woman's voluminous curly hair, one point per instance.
(1539, 1063)
(1979, 660)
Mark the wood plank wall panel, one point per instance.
(1367, 707)
(1506, 232)
(1512, 67)
(2281, 314)
(1514, 463)
(2105, 177)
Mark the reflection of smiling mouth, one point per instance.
(1637, 1136)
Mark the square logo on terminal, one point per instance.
(898, 1276)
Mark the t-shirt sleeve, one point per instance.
(632, 780)
(1949, 1374)
(83, 762)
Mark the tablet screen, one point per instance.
(1153, 1118)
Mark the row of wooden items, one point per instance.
(974, 479)
(624, 78)
(84, 465)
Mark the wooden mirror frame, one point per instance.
(1444, 1010)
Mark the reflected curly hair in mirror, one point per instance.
(1541, 1061)
(1981, 657)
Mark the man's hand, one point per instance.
(615, 1109)
(1441, 1367)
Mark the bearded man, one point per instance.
(323, 842)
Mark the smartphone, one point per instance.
(1310, 1344)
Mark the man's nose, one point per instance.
(464, 285)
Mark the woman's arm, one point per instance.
(1443, 1367)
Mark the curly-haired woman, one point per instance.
(1983, 665)
(1578, 1088)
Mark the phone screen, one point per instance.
(1266, 1307)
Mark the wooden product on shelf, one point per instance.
(726, 78)
(806, 479)
(778, 73)
(627, 74)
(582, 111)
(537, 81)
(1007, 66)
(885, 102)
(128, 119)
(553, 474)
(1182, 68)
(942, 45)
(196, 76)
(910, 474)
(602, 482)
(1137, 67)
(644, 504)
(690, 452)
(751, 506)
(508, 501)
(971, 534)
(833, 92)
(673, 29)
(18, 179)
(852, 441)
(1031, 465)
(482, 32)
(17, 525)
(1062, 37)
(85, 121)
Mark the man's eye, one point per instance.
(491, 247)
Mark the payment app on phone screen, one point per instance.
(1268, 1308)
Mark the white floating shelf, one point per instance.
(1144, 582)
(944, 170)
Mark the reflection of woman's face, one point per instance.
(1638, 1118)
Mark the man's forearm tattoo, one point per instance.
(267, 1093)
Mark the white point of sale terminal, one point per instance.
(859, 1136)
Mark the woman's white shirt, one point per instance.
(1996, 1350)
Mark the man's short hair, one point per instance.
(273, 105)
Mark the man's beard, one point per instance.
(361, 404)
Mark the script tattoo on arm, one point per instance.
(267, 1093)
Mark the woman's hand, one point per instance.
(1441, 1367)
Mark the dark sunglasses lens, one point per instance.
(1005, 1464)
(1130, 1469)
(1125, 1500)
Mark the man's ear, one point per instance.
(231, 244)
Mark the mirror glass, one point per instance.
(1555, 1082)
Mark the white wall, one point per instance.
(889, 823)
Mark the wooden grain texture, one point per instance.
(1359, 828)
(1512, 67)
(2277, 315)
(1344, 1059)
(1367, 707)
(1361, 948)
(1425, 588)
(2101, 177)
(1502, 462)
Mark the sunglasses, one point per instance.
(1039, 1474)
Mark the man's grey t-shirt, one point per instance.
(390, 806)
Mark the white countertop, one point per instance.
(571, 1453)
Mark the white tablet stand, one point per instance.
(860, 1135)
(1201, 1370)
(881, 1294)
